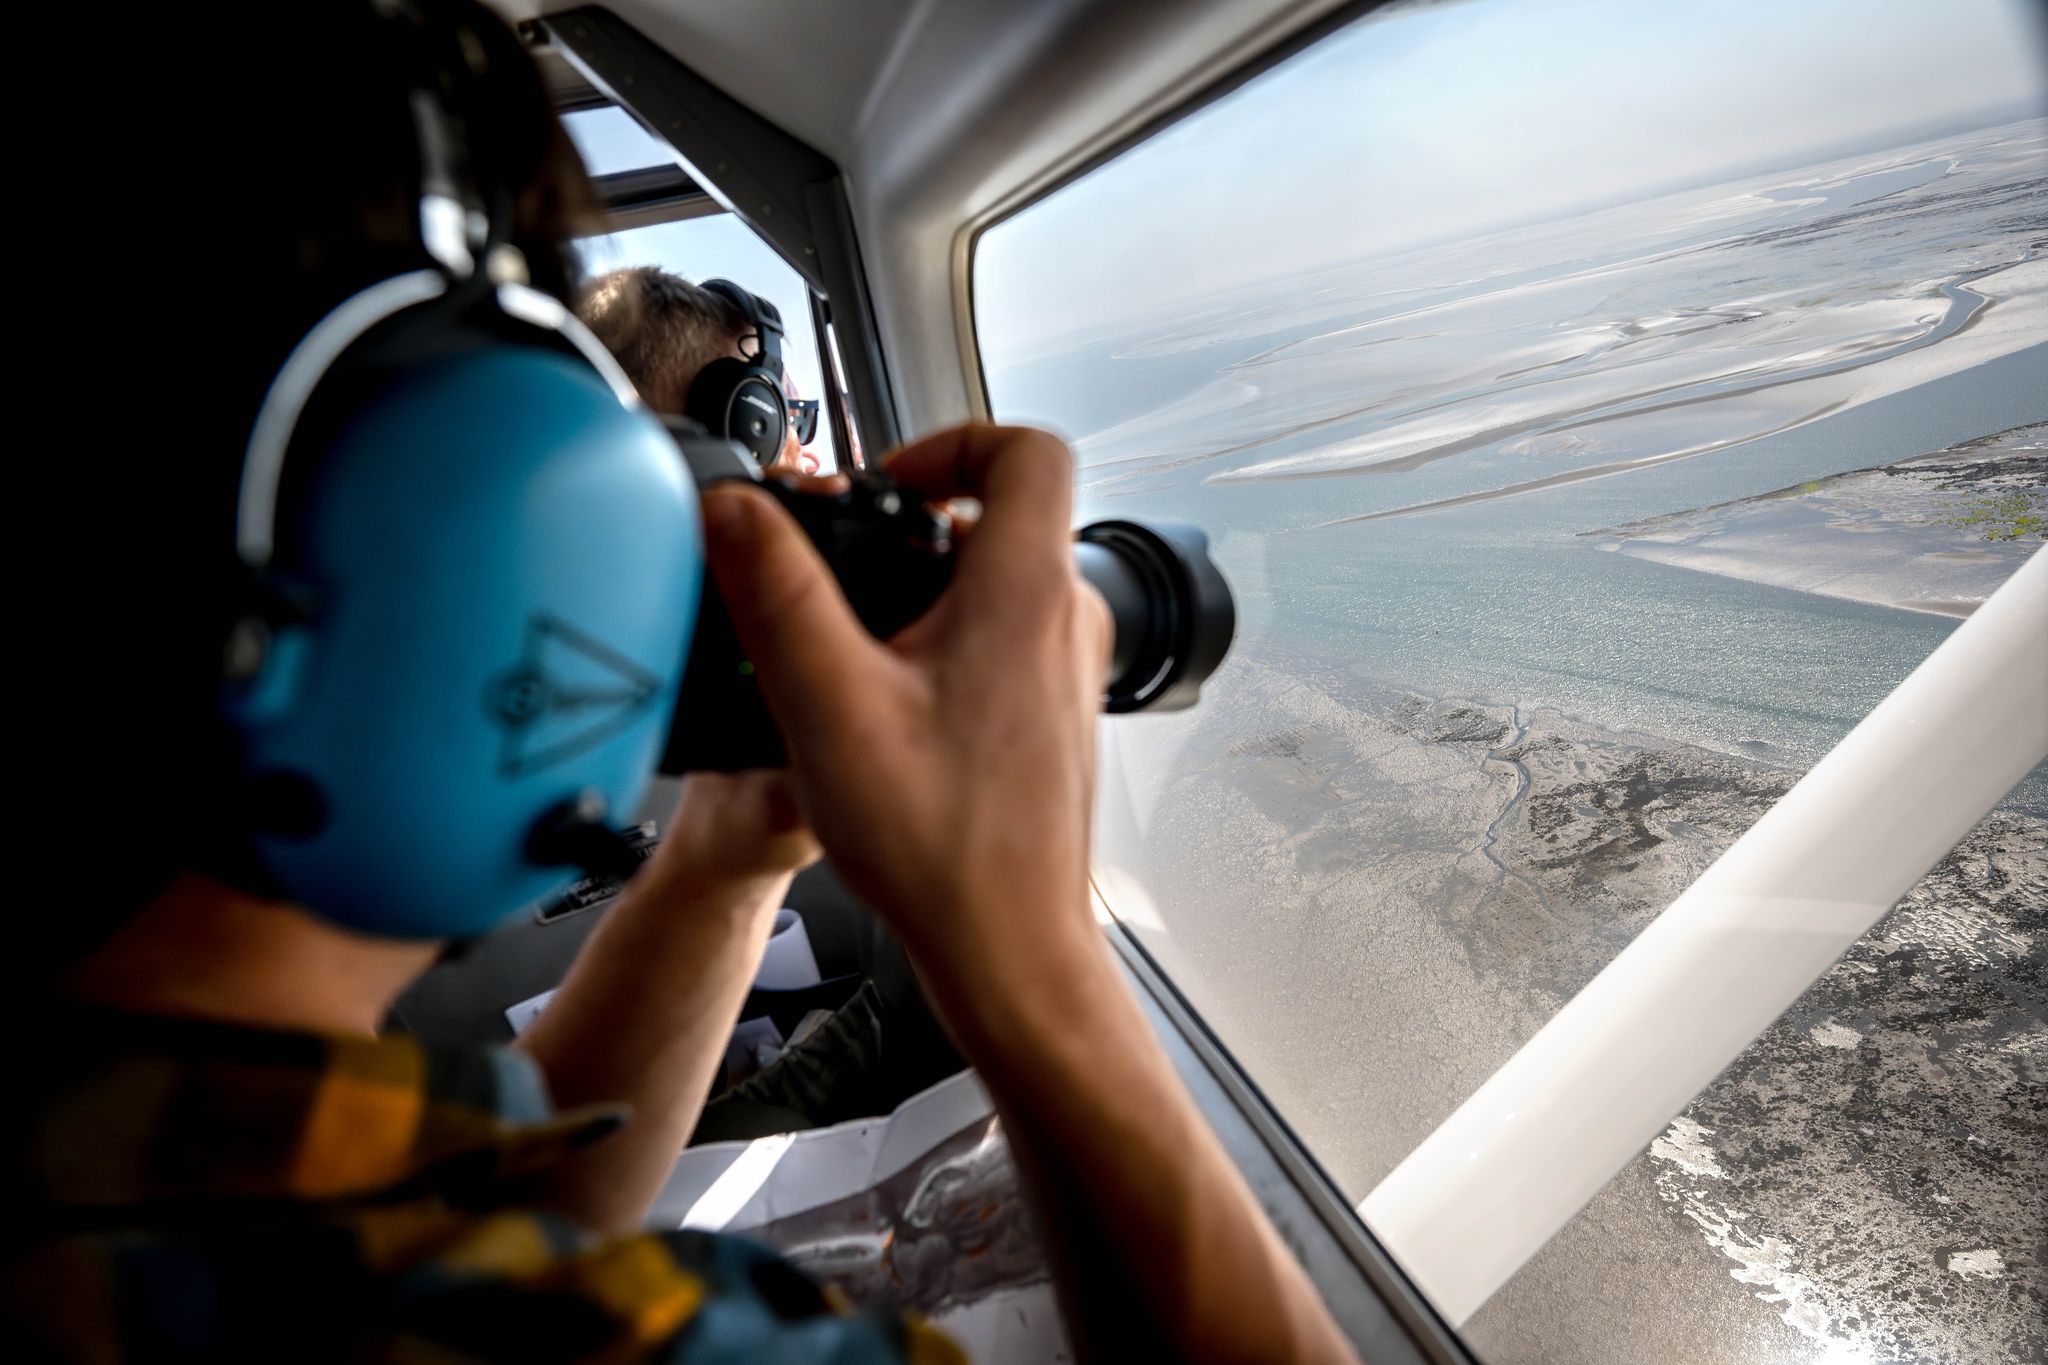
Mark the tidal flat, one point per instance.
(1377, 896)
(1935, 533)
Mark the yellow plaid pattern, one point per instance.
(198, 1190)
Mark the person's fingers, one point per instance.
(804, 642)
(1024, 480)
(965, 515)
(1029, 471)
(820, 483)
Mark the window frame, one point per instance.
(1379, 1307)
(1032, 194)
(1143, 965)
(651, 196)
(790, 194)
(644, 196)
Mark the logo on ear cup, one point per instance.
(757, 426)
(568, 693)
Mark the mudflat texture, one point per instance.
(1426, 880)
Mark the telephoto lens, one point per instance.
(1172, 608)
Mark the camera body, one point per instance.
(892, 554)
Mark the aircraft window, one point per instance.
(1598, 408)
(722, 247)
(611, 141)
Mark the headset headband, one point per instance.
(456, 224)
(764, 317)
(310, 360)
(456, 227)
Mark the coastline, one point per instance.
(1934, 533)
(1439, 874)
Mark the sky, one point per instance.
(1423, 122)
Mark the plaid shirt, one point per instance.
(198, 1191)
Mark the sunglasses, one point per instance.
(803, 419)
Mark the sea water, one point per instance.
(1399, 459)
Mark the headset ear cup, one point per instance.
(742, 401)
(390, 783)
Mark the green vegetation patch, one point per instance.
(2017, 515)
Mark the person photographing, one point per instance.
(709, 352)
(375, 667)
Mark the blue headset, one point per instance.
(472, 600)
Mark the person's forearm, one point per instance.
(643, 1019)
(1153, 1232)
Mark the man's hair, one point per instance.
(662, 328)
(289, 181)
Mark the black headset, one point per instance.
(742, 399)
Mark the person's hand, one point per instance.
(645, 1013)
(730, 827)
(947, 771)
